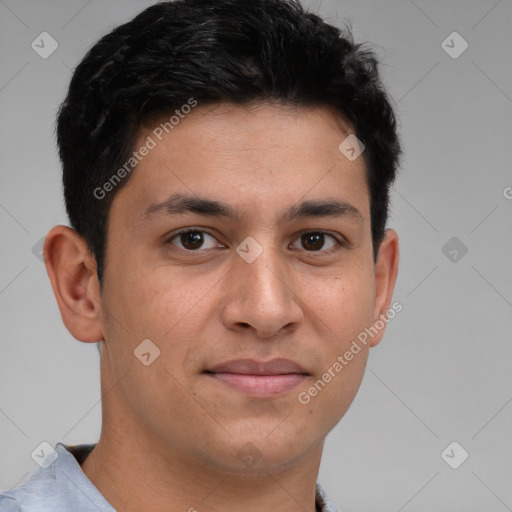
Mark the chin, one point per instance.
(262, 449)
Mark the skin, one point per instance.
(171, 435)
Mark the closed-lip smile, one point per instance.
(259, 378)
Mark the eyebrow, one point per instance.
(179, 204)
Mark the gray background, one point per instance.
(442, 372)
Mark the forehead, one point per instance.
(267, 129)
(259, 155)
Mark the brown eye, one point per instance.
(313, 241)
(318, 241)
(193, 240)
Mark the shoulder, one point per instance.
(9, 503)
(323, 502)
(59, 485)
(33, 496)
(32, 493)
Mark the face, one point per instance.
(242, 238)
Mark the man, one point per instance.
(226, 170)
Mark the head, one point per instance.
(227, 117)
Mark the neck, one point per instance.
(135, 476)
(136, 470)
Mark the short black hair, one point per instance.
(214, 51)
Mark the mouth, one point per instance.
(259, 378)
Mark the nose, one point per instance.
(260, 296)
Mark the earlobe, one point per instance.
(386, 271)
(72, 272)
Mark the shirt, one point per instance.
(60, 485)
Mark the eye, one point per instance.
(315, 241)
(193, 239)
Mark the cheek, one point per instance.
(155, 301)
(343, 302)
(341, 309)
(171, 310)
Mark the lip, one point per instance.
(277, 366)
(259, 378)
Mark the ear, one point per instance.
(386, 271)
(72, 271)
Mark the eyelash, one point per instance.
(340, 244)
